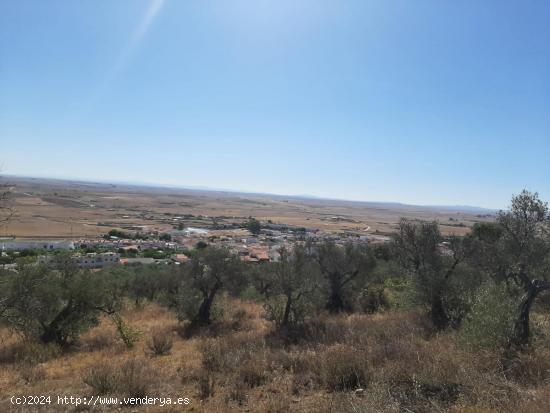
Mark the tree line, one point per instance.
(453, 279)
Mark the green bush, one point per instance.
(373, 299)
(126, 333)
(491, 320)
(253, 225)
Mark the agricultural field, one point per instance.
(65, 209)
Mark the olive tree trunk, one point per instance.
(521, 330)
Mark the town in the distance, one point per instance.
(104, 225)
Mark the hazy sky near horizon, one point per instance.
(424, 102)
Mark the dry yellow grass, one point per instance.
(241, 367)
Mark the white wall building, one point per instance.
(37, 244)
(97, 260)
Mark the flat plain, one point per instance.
(73, 209)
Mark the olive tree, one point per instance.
(516, 250)
(340, 268)
(422, 252)
(261, 279)
(253, 225)
(211, 270)
(56, 303)
(294, 280)
(153, 283)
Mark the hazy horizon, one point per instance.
(156, 185)
(424, 103)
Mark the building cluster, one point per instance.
(251, 248)
(14, 245)
(98, 260)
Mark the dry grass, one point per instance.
(68, 209)
(236, 366)
(161, 342)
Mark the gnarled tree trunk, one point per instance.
(203, 315)
(286, 315)
(521, 330)
(336, 301)
(438, 314)
(54, 332)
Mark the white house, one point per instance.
(97, 260)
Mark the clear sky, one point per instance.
(425, 101)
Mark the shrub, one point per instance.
(32, 374)
(529, 369)
(96, 340)
(302, 381)
(213, 357)
(229, 353)
(491, 320)
(102, 378)
(237, 392)
(135, 378)
(252, 373)
(344, 368)
(28, 351)
(373, 299)
(426, 375)
(126, 333)
(132, 378)
(201, 245)
(161, 342)
(240, 320)
(415, 395)
(253, 225)
(205, 384)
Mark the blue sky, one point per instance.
(425, 102)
